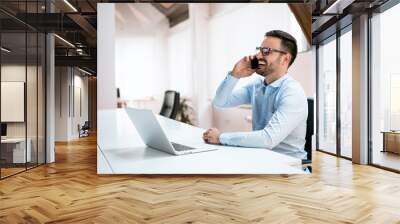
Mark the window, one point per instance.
(327, 97)
(346, 94)
(385, 89)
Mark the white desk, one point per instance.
(19, 155)
(121, 151)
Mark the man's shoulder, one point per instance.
(291, 85)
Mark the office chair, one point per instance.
(309, 131)
(84, 130)
(170, 105)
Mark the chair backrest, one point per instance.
(310, 130)
(171, 104)
(86, 125)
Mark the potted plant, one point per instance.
(185, 112)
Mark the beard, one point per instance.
(265, 68)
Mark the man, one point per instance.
(279, 104)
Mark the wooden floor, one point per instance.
(70, 191)
(5, 172)
(387, 159)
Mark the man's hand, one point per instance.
(212, 136)
(243, 68)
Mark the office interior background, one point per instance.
(49, 69)
(48, 82)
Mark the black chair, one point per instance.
(309, 131)
(84, 130)
(170, 105)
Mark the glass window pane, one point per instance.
(327, 97)
(346, 94)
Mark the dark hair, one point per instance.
(288, 42)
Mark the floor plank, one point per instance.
(70, 191)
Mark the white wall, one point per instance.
(141, 53)
(236, 31)
(303, 70)
(107, 96)
(62, 81)
(199, 15)
(179, 51)
(67, 115)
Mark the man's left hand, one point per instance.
(212, 136)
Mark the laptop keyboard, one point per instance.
(179, 147)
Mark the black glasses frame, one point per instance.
(266, 50)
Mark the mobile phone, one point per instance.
(254, 63)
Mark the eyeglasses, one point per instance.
(266, 50)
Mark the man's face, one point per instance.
(274, 61)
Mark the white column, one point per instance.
(198, 23)
(107, 92)
(360, 90)
(50, 99)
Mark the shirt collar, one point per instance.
(277, 83)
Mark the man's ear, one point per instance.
(288, 58)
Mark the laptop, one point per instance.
(154, 136)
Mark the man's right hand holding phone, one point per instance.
(243, 68)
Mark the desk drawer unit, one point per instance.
(391, 142)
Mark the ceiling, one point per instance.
(73, 20)
(175, 12)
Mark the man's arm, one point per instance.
(292, 110)
(227, 97)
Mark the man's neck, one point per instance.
(273, 77)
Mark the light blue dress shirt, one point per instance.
(279, 114)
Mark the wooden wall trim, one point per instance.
(302, 13)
